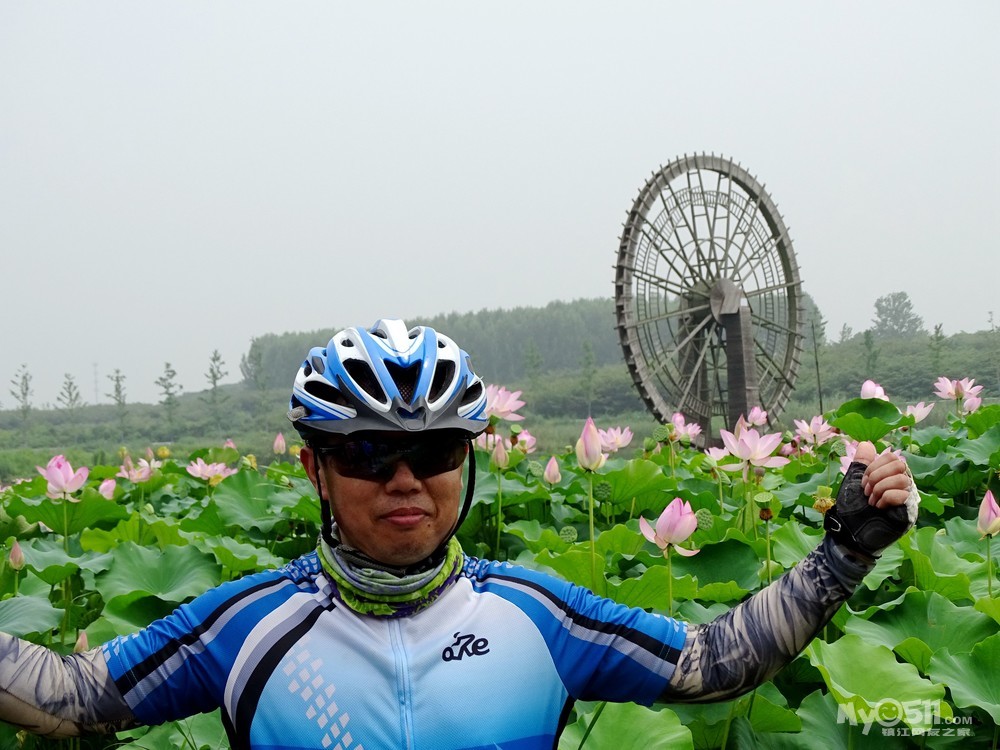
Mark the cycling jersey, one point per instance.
(496, 661)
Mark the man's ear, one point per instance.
(309, 458)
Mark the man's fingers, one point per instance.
(864, 453)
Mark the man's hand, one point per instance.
(876, 503)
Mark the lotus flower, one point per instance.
(503, 404)
(500, 457)
(212, 473)
(757, 417)
(107, 489)
(752, 448)
(956, 390)
(278, 447)
(140, 473)
(82, 644)
(871, 389)
(524, 441)
(682, 429)
(488, 440)
(551, 473)
(815, 432)
(229, 444)
(919, 411)
(588, 447)
(676, 523)
(63, 481)
(16, 559)
(615, 438)
(971, 404)
(989, 516)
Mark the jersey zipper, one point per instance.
(403, 692)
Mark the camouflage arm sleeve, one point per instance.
(749, 644)
(58, 696)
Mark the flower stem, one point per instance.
(767, 531)
(989, 565)
(670, 581)
(496, 553)
(593, 546)
(590, 726)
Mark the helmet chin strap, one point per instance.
(326, 529)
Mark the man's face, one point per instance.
(397, 518)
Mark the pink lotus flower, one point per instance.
(588, 447)
(502, 404)
(752, 448)
(63, 481)
(140, 473)
(16, 559)
(851, 447)
(871, 389)
(212, 473)
(676, 523)
(683, 430)
(716, 454)
(229, 444)
(524, 441)
(278, 447)
(757, 417)
(500, 456)
(615, 438)
(989, 516)
(107, 489)
(919, 411)
(488, 440)
(815, 432)
(551, 473)
(971, 404)
(956, 390)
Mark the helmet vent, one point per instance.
(442, 377)
(362, 374)
(325, 392)
(307, 369)
(472, 393)
(318, 365)
(405, 379)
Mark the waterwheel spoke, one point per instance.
(670, 315)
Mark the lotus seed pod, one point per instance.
(662, 433)
(649, 445)
(705, 519)
(535, 469)
(602, 491)
(568, 534)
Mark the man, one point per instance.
(389, 636)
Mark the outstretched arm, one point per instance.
(746, 646)
(58, 696)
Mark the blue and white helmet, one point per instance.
(387, 378)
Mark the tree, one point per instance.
(845, 334)
(117, 396)
(588, 370)
(216, 398)
(252, 369)
(533, 364)
(169, 389)
(894, 317)
(69, 397)
(936, 347)
(871, 354)
(22, 392)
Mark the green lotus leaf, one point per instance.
(937, 568)
(885, 567)
(982, 419)
(620, 539)
(208, 522)
(249, 501)
(240, 557)
(728, 562)
(173, 575)
(989, 606)
(204, 730)
(537, 537)
(868, 418)
(984, 451)
(922, 625)
(67, 517)
(638, 479)
(626, 726)
(825, 725)
(135, 529)
(651, 589)
(971, 677)
(48, 560)
(21, 615)
(792, 541)
(883, 682)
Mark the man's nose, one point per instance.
(402, 479)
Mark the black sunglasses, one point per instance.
(376, 459)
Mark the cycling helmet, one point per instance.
(387, 377)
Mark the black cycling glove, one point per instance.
(859, 526)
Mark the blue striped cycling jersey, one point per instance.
(494, 662)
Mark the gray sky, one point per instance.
(179, 177)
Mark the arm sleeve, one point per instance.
(58, 696)
(749, 644)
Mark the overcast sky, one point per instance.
(177, 177)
